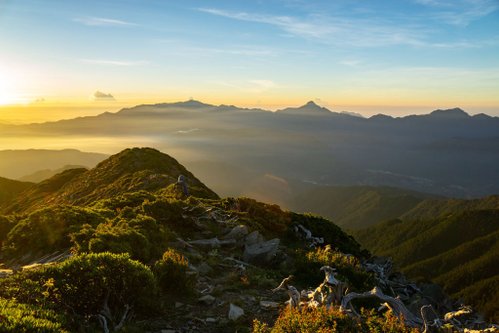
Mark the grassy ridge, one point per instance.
(457, 248)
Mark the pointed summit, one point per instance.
(455, 113)
(132, 170)
(310, 108)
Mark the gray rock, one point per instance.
(253, 238)
(235, 312)
(204, 268)
(211, 320)
(262, 252)
(212, 242)
(206, 299)
(238, 232)
(269, 305)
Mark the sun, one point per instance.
(8, 84)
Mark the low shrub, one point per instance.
(171, 273)
(332, 320)
(24, 318)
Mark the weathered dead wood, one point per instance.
(396, 305)
(314, 241)
(294, 295)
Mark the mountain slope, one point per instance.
(128, 171)
(356, 207)
(457, 248)
(10, 188)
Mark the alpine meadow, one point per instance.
(279, 166)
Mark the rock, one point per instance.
(168, 331)
(253, 238)
(262, 252)
(211, 320)
(212, 242)
(235, 312)
(269, 305)
(206, 299)
(238, 232)
(204, 268)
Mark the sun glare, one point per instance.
(7, 85)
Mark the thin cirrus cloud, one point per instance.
(102, 22)
(333, 30)
(460, 12)
(108, 62)
(365, 32)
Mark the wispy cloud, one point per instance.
(107, 62)
(350, 62)
(332, 30)
(370, 32)
(460, 12)
(102, 21)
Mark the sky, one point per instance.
(60, 59)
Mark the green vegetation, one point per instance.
(331, 320)
(47, 230)
(171, 273)
(348, 267)
(23, 318)
(457, 250)
(9, 189)
(78, 289)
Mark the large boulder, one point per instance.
(262, 252)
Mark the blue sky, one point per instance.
(370, 56)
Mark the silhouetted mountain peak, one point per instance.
(306, 109)
(454, 113)
(193, 104)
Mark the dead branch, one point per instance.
(395, 303)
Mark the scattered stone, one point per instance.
(211, 320)
(253, 238)
(204, 268)
(238, 232)
(206, 299)
(235, 312)
(269, 305)
(262, 252)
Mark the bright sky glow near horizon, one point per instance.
(61, 59)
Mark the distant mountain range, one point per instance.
(446, 152)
